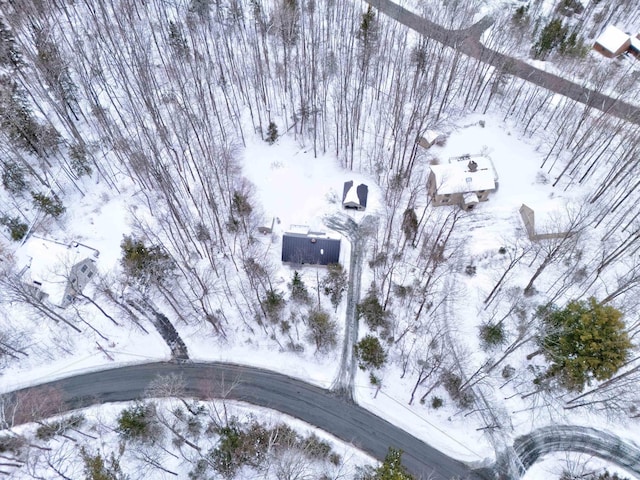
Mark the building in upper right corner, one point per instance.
(464, 181)
(613, 42)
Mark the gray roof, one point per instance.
(299, 248)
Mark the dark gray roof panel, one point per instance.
(301, 249)
(347, 187)
(363, 193)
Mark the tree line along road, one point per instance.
(312, 404)
(468, 42)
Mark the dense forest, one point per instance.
(161, 98)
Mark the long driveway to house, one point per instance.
(291, 396)
(357, 234)
(468, 42)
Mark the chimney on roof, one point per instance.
(473, 166)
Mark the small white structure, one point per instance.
(57, 271)
(612, 42)
(464, 181)
(354, 197)
(431, 138)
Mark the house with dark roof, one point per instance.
(355, 198)
(312, 248)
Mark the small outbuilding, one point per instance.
(431, 138)
(312, 248)
(612, 42)
(355, 198)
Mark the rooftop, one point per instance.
(48, 262)
(315, 248)
(612, 38)
(458, 176)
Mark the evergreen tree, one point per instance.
(368, 34)
(298, 289)
(585, 341)
(335, 283)
(372, 312)
(96, 468)
(13, 178)
(49, 205)
(272, 133)
(410, 224)
(79, 161)
(177, 41)
(145, 264)
(370, 353)
(16, 118)
(322, 330)
(17, 228)
(552, 36)
(138, 422)
(9, 53)
(272, 304)
(391, 468)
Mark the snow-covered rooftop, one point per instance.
(352, 195)
(612, 39)
(457, 176)
(48, 262)
(432, 135)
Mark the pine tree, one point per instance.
(585, 341)
(371, 310)
(177, 41)
(322, 330)
(335, 283)
(391, 468)
(9, 53)
(552, 36)
(49, 205)
(145, 264)
(272, 133)
(370, 353)
(298, 289)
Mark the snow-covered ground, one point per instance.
(98, 435)
(298, 189)
(292, 187)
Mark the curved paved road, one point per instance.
(467, 41)
(293, 397)
(565, 438)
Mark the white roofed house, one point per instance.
(612, 42)
(464, 181)
(56, 271)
